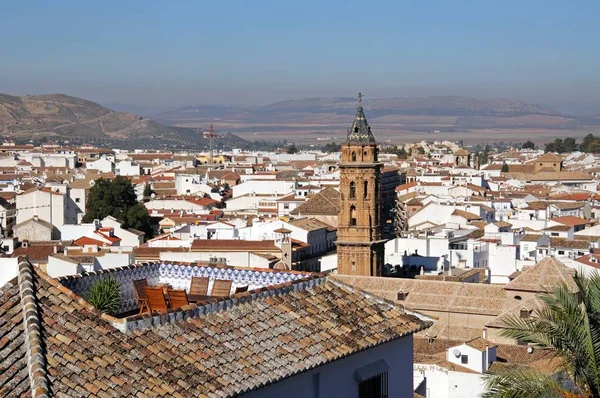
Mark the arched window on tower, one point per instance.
(366, 189)
(352, 190)
(352, 216)
(354, 156)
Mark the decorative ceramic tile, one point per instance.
(179, 276)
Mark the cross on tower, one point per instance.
(360, 96)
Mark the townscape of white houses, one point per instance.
(424, 255)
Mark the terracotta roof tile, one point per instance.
(309, 224)
(466, 215)
(541, 277)
(38, 252)
(531, 237)
(252, 342)
(571, 220)
(234, 245)
(326, 202)
(471, 298)
(570, 244)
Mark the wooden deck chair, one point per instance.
(156, 298)
(241, 289)
(221, 288)
(199, 286)
(177, 298)
(139, 286)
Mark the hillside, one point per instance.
(443, 106)
(77, 120)
(464, 111)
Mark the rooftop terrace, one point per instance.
(179, 276)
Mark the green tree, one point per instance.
(398, 150)
(569, 144)
(594, 147)
(568, 325)
(556, 146)
(505, 168)
(117, 198)
(483, 156)
(137, 217)
(528, 145)
(401, 152)
(331, 147)
(590, 144)
(292, 149)
(147, 190)
(588, 140)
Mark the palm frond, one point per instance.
(568, 325)
(521, 382)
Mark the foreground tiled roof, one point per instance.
(255, 341)
(14, 342)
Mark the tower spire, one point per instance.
(360, 132)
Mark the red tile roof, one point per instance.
(406, 186)
(234, 245)
(593, 260)
(203, 201)
(85, 240)
(105, 234)
(570, 220)
(37, 253)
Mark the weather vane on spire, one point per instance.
(360, 96)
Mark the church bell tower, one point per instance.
(360, 247)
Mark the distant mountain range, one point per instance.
(450, 105)
(467, 112)
(77, 120)
(64, 118)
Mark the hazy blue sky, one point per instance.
(253, 52)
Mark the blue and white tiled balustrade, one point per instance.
(179, 276)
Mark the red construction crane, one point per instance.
(210, 135)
